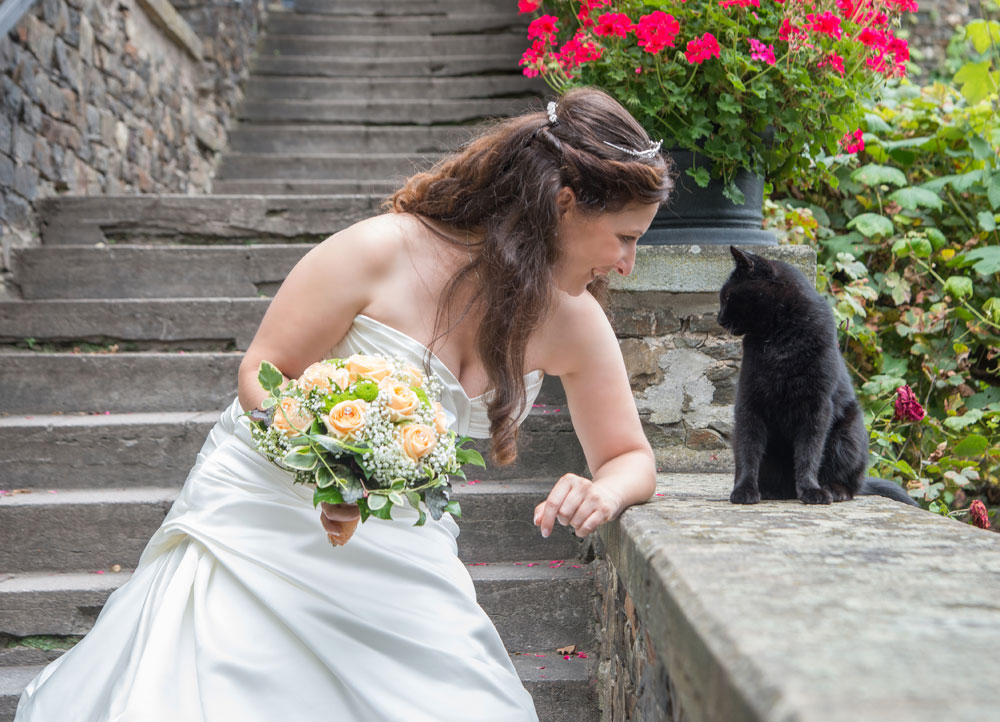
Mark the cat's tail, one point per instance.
(882, 487)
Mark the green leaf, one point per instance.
(301, 458)
(437, 499)
(324, 477)
(454, 508)
(991, 309)
(983, 34)
(330, 495)
(872, 224)
(981, 149)
(422, 395)
(967, 419)
(268, 376)
(912, 245)
(701, 176)
(993, 191)
(971, 445)
(986, 259)
(987, 221)
(976, 80)
(913, 198)
(958, 286)
(268, 402)
(875, 124)
(936, 237)
(875, 175)
(469, 456)
(396, 498)
(964, 181)
(377, 501)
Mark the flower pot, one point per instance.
(703, 216)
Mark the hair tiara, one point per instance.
(652, 150)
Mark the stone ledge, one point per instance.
(867, 610)
(685, 269)
(163, 14)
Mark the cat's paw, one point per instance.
(816, 496)
(744, 495)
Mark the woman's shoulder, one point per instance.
(570, 328)
(371, 242)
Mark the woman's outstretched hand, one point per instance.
(340, 521)
(578, 502)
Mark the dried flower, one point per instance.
(977, 511)
(907, 406)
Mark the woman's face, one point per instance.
(595, 244)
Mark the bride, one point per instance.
(239, 609)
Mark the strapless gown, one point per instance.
(240, 610)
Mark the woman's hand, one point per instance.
(578, 502)
(340, 521)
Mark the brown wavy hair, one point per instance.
(501, 188)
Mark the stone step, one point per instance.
(146, 381)
(395, 8)
(338, 166)
(381, 189)
(384, 46)
(86, 220)
(421, 66)
(392, 89)
(563, 690)
(376, 110)
(43, 383)
(95, 529)
(536, 608)
(282, 139)
(368, 25)
(154, 271)
(156, 449)
(216, 324)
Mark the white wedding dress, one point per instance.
(241, 610)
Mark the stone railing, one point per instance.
(864, 611)
(116, 96)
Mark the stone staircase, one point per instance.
(135, 312)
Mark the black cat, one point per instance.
(799, 431)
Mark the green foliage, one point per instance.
(909, 256)
(768, 101)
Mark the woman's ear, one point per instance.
(565, 200)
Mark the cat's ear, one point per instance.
(743, 261)
(750, 264)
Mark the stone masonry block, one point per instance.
(6, 134)
(41, 39)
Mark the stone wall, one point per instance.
(634, 683)
(932, 26)
(116, 96)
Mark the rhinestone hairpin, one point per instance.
(653, 149)
(551, 109)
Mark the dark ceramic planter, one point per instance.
(703, 216)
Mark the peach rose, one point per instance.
(294, 416)
(415, 375)
(402, 401)
(321, 375)
(440, 420)
(367, 367)
(418, 440)
(347, 418)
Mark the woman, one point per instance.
(239, 608)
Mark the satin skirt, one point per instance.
(240, 609)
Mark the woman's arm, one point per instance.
(317, 302)
(588, 359)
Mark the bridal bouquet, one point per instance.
(365, 430)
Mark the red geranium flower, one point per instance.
(528, 6)
(656, 31)
(701, 49)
